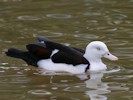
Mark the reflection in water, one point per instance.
(95, 88)
(98, 87)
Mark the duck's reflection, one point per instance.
(96, 88)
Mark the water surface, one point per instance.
(74, 23)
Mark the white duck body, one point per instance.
(49, 65)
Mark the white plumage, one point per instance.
(94, 52)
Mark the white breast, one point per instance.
(94, 67)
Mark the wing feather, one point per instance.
(66, 54)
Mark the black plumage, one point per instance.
(43, 50)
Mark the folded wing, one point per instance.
(66, 54)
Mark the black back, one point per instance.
(43, 50)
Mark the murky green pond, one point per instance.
(73, 22)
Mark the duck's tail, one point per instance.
(26, 56)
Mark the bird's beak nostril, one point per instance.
(110, 56)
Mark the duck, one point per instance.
(52, 56)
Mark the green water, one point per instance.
(73, 22)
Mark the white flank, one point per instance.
(61, 67)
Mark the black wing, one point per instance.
(39, 50)
(43, 50)
(66, 54)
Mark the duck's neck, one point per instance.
(96, 63)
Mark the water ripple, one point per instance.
(92, 14)
(39, 92)
(26, 17)
(86, 36)
(59, 16)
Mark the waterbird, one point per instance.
(52, 56)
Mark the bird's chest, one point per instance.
(97, 66)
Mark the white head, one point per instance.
(96, 50)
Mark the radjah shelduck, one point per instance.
(49, 55)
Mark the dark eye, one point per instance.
(98, 48)
(108, 54)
